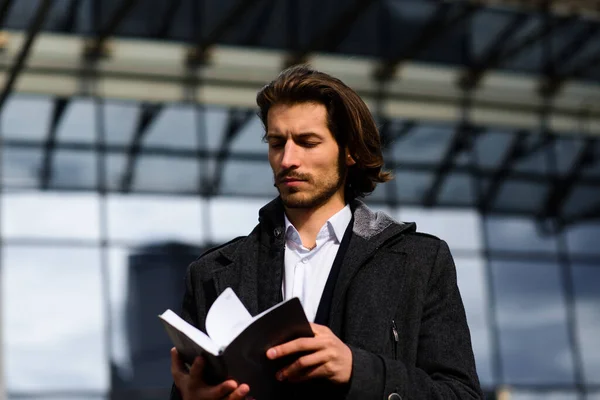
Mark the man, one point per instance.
(387, 315)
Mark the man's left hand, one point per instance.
(328, 357)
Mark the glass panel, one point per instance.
(594, 169)
(412, 185)
(472, 283)
(518, 234)
(249, 139)
(567, 150)
(145, 219)
(26, 117)
(118, 285)
(53, 319)
(364, 31)
(521, 196)
(166, 174)
(587, 299)
(78, 123)
(582, 238)
(486, 26)
(583, 198)
(424, 143)
(120, 120)
(51, 215)
(114, 170)
(532, 319)
(536, 161)
(253, 178)
(543, 395)
(457, 189)
(381, 191)
(491, 147)
(460, 228)
(21, 167)
(74, 169)
(174, 126)
(145, 358)
(231, 217)
(215, 119)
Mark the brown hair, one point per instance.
(348, 118)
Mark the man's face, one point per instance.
(304, 155)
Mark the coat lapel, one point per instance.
(359, 251)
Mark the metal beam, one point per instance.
(154, 71)
(554, 82)
(148, 113)
(479, 69)
(463, 139)
(34, 28)
(593, 213)
(513, 153)
(199, 54)
(495, 48)
(331, 37)
(563, 188)
(60, 105)
(96, 48)
(437, 24)
(236, 120)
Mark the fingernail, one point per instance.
(244, 391)
(271, 353)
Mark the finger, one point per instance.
(318, 371)
(239, 393)
(218, 391)
(300, 366)
(319, 329)
(177, 369)
(294, 346)
(197, 372)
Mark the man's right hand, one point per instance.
(192, 386)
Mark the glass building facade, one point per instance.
(105, 199)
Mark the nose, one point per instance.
(290, 157)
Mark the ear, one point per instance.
(349, 159)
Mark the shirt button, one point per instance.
(394, 396)
(304, 261)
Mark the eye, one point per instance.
(309, 144)
(275, 144)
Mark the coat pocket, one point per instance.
(395, 340)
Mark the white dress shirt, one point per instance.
(306, 270)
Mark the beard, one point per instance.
(323, 187)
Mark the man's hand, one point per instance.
(192, 386)
(328, 357)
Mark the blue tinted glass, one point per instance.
(532, 318)
(587, 302)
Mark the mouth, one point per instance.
(291, 181)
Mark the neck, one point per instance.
(308, 221)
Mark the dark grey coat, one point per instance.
(390, 275)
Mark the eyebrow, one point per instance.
(301, 135)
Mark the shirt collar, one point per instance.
(336, 225)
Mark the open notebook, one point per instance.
(235, 344)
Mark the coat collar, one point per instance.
(370, 231)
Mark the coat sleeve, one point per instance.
(189, 312)
(445, 366)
